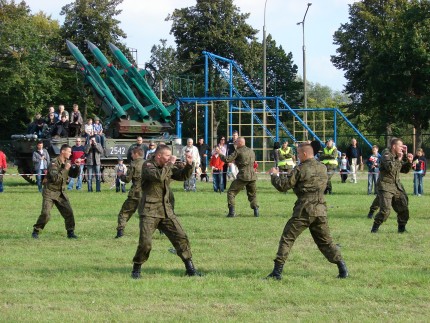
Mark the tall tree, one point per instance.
(28, 83)
(385, 54)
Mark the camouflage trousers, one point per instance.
(375, 205)
(172, 229)
(399, 202)
(251, 191)
(127, 210)
(63, 205)
(318, 226)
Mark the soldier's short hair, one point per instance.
(394, 141)
(307, 148)
(64, 147)
(138, 151)
(161, 148)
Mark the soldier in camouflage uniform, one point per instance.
(308, 181)
(130, 205)
(156, 209)
(328, 157)
(54, 192)
(390, 191)
(244, 158)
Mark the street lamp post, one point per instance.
(305, 93)
(264, 84)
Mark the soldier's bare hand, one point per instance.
(172, 159)
(67, 166)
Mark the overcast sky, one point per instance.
(143, 22)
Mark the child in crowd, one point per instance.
(89, 130)
(344, 167)
(217, 166)
(373, 164)
(419, 165)
(98, 131)
(120, 169)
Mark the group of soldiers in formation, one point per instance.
(152, 196)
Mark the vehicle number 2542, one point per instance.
(118, 150)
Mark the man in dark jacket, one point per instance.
(354, 155)
(244, 159)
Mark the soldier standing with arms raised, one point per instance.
(244, 159)
(308, 181)
(391, 192)
(54, 192)
(130, 205)
(156, 208)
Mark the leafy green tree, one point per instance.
(385, 54)
(28, 83)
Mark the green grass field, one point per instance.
(88, 280)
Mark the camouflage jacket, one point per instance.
(157, 197)
(244, 158)
(308, 181)
(389, 172)
(56, 177)
(134, 175)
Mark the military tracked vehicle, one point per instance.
(130, 106)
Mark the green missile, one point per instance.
(109, 104)
(115, 78)
(138, 81)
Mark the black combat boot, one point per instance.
(231, 213)
(135, 274)
(256, 212)
(71, 234)
(190, 270)
(375, 228)
(119, 233)
(401, 228)
(35, 234)
(343, 271)
(277, 271)
(370, 215)
(326, 191)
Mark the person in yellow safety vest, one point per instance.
(329, 158)
(286, 158)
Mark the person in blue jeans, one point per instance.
(217, 165)
(419, 165)
(93, 151)
(373, 163)
(41, 161)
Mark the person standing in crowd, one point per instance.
(353, 152)
(78, 158)
(54, 192)
(190, 182)
(328, 157)
(391, 192)
(93, 151)
(151, 150)
(286, 159)
(344, 168)
(120, 170)
(203, 149)
(308, 181)
(76, 122)
(217, 165)
(244, 158)
(231, 147)
(373, 163)
(3, 168)
(419, 165)
(139, 143)
(130, 205)
(41, 161)
(156, 209)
